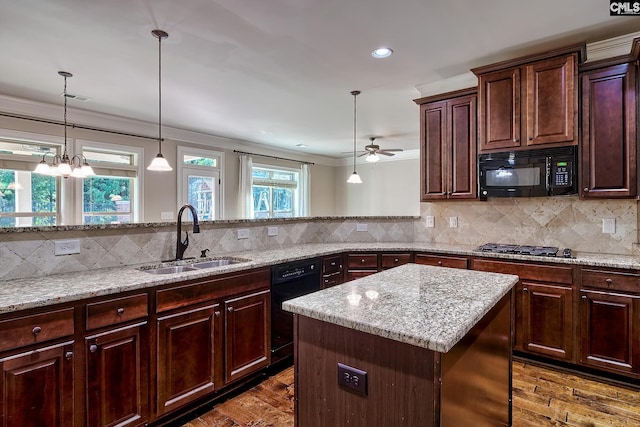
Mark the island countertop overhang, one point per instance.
(429, 307)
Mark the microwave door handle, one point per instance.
(548, 176)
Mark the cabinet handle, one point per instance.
(333, 264)
(586, 190)
(525, 289)
(93, 348)
(530, 138)
(584, 297)
(609, 281)
(230, 309)
(362, 261)
(396, 260)
(68, 355)
(36, 330)
(120, 311)
(440, 263)
(326, 280)
(216, 313)
(517, 140)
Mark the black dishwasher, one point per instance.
(289, 280)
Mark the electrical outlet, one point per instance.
(66, 247)
(609, 225)
(243, 233)
(453, 221)
(166, 215)
(272, 231)
(431, 221)
(361, 227)
(352, 378)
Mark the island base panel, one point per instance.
(406, 385)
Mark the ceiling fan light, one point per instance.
(354, 178)
(160, 164)
(372, 158)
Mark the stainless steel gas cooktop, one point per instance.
(523, 250)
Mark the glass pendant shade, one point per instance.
(160, 164)
(43, 168)
(354, 178)
(64, 169)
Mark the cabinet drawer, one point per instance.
(329, 280)
(618, 281)
(540, 273)
(362, 261)
(442, 261)
(118, 310)
(394, 260)
(36, 328)
(332, 264)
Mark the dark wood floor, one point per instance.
(541, 397)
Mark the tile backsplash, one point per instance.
(565, 222)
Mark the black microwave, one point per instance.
(529, 173)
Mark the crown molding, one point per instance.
(616, 46)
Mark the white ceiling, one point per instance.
(276, 72)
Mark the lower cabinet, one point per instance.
(442, 260)
(547, 319)
(189, 351)
(361, 265)
(247, 334)
(610, 331)
(117, 376)
(37, 387)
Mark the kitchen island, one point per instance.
(412, 346)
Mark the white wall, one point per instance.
(388, 188)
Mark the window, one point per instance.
(26, 199)
(112, 196)
(275, 192)
(199, 181)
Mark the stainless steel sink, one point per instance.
(216, 263)
(170, 270)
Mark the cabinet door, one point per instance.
(610, 331)
(37, 388)
(189, 359)
(461, 149)
(551, 101)
(499, 109)
(609, 132)
(546, 320)
(433, 148)
(118, 377)
(247, 334)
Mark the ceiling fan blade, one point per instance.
(384, 153)
(363, 154)
(393, 149)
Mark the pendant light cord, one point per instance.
(65, 117)
(160, 94)
(355, 93)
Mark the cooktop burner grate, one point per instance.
(518, 249)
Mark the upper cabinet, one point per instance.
(448, 146)
(608, 163)
(529, 102)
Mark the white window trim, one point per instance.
(76, 191)
(283, 168)
(182, 150)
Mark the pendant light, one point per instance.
(65, 166)
(354, 178)
(159, 163)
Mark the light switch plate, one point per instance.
(272, 231)
(453, 221)
(243, 233)
(66, 247)
(609, 225)
(431, 221)
(361, 227)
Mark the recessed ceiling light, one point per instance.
(382, 52)
(301, 145)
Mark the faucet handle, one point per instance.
(185, 243)
(203, 253)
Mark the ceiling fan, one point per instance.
(372, 150)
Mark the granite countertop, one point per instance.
(429, 307)
(20, 294)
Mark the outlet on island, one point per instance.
(352, 378)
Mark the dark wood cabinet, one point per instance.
(547, 319)
(610, 321)
(529, 102)
(609, 142)
(448, 146)
(361, 265)
(37, 387)
(247, 334)
(390, 260)
(544, 306)
(189, 356)
(332, 271)
(117, 376)
(442, 260)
